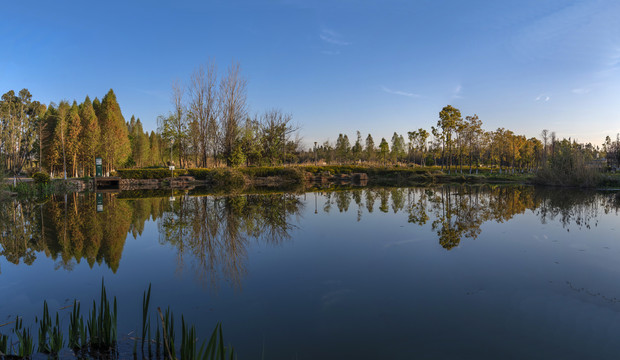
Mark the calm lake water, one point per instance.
(376, 273)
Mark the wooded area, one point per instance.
(462, 144)
(210, 125)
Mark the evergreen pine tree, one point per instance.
(96, 106)
(73, 141)
(90, 136)
(155, 150)
(51, 155)
(115, 147)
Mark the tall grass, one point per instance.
(78, 337)
(146, 321)
(31, 189)
(44, 325)
(213, 349)
(98, 338)
(4, 342)
(25, 343)
(51, 339)
(56, 337)
(102, 324)
(569, 166)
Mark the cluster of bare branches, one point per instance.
(210, 122)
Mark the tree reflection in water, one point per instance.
(459, 211)
(65, 228)
(216, 231)
(212, 233)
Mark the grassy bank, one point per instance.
(218, 176)
(33, 189)
(279, 175)
(395, 175)
(226, 180)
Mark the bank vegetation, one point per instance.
(210, 126)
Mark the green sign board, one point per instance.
(99, 202)
(98, 167)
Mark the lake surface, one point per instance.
(375, 273)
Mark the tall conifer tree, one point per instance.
(90, 135)
(73, 140)
(96, 106)
(115, 146)
(51, 153)
(60, 134)
(141, 148)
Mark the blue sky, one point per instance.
(337, 65)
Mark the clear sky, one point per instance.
(337, 65)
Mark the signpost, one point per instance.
(98, 167)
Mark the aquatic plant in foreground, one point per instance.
(98, 336)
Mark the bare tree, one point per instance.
(179, 125)
(553, 141)
(232, 110)
(545, 137)
(202, 108)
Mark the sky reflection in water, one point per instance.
(441, 272)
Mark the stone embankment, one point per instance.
(360, 179)
(181, 182)
(76, 185)
(188, 182)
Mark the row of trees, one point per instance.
(210, 125)
(65, 138)
(19, 121)
(454, 143)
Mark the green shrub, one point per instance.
(199, 173)
(226, 177)
(41, 178)
(338, 169)
(219, 176)
(160, 173)
(30, 170)
(370, 170)
(289, 173)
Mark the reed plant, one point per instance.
(4, 344)
(44, 326)
(25, 343)
(98, 338)
(56, 337)
(51, 339)
(213, 349)
(167, 324)
(78, 336)
(102, 324)
(146, 321)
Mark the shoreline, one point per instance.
(288, 177)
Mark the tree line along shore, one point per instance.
(299, 178)
(210, 126)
